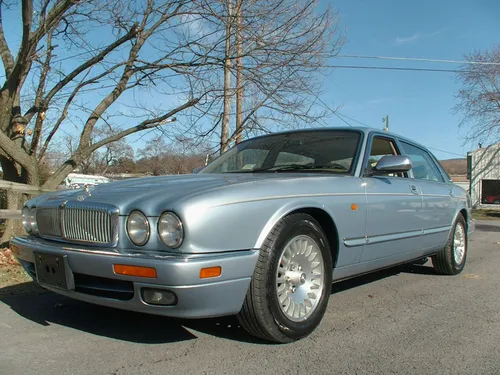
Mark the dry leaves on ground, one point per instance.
(7, 258)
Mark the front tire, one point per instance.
(451, 259)
(292, 281)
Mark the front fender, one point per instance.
(245, 225)
(285, 210)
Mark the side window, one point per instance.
(381, 147)
(423, 165)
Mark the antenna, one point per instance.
(386, 121)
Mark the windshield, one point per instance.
(330, 151)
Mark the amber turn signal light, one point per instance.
(138, 271)
(205, 273)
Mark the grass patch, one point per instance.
(485, 214)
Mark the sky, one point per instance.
(419, 104)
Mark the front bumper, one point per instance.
(94, 280)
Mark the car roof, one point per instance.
(364, 129)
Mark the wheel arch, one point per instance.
(460, 211)
(467, 217)
(320, 214)
(464, 213)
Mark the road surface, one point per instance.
(403, 321)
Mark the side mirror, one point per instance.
(393, 164)
(197, 169)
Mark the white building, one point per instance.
(483, 171)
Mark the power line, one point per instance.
(392, 68)
(336, 114)
(332, 111)
(386, 68)
(446, 152)
(448, 61)
(352, 119)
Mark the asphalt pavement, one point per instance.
(405, 320)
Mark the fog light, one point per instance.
(159, 297)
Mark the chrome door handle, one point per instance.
(414, 189)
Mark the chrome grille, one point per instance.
(79, 222)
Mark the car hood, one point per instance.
(151, 195)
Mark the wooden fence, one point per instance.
(19, 188)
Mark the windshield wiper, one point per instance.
(297, 167)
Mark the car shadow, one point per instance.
(47, 308)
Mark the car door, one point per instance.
(438, 206)
(394, 205)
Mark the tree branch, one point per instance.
(147, 124)
(15, 152)
(99, 57)
(61, 118)
(82, 153)
(7, 59)
(23, 61)
(51, 20)
(40, 104)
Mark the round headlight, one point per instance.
(28, 218)
(170, 230)
(138, 228)
(34, 225)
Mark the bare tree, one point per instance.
(279, 47)
(180, 157)
(479, 96)
(47, 85)
(109, 155)
(153, 156)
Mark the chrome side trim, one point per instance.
(437, 230)
(393, 236)
(360, 241)
(30, 242)
(312, 196)
(353, 242)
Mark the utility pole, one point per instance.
(386, 121)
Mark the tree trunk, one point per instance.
(227, 81)
(239, 73)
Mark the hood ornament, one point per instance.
(87, 190)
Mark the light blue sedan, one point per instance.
(262, 232)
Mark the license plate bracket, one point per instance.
(53, 270)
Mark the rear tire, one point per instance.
(451, 259)
(291, 284)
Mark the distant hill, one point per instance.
(455, 166)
